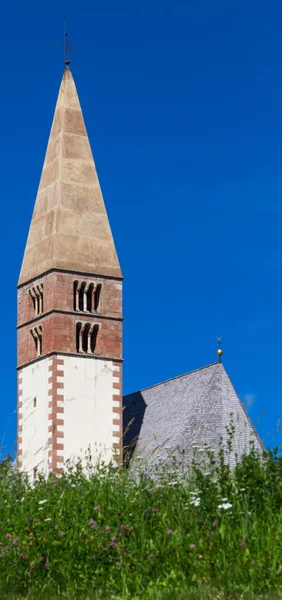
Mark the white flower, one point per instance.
(225, 505)
(242, 489)
(48, 519)
(224, 499)
(42, 501)
(195, 501)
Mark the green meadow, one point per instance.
(115, 534)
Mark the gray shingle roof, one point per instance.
(194, 408)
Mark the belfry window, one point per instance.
(86, 337)
(87, 295)
(36, 294)
(36, 333)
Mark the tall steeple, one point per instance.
(69, 308)
(69, 227)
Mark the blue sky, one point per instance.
(183, 106)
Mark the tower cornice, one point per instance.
(79, 315)
(69, 272)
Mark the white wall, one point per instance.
(35, 420)
(88, 407)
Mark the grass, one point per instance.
(109, 535)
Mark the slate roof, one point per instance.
(194, 408)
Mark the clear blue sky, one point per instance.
(183, 106)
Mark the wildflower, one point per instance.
(214, 523)
(195, 501)
(46, 566)
(41, 558)
(121, 549)
(243, 543)
(113, 544)
(225, 505)
(192, 546)
(42, 501)
(62, 533)
(108, 528)
(94, 526)
(154, 510)
(24, 555)
(122, 527)
(120, 535)
(97, 507)
(114, 538)
(169, 531)
(104, 548)
(8, 535)
(145, 474)
(48, 519)
(200, 541)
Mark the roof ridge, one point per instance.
(173, 378)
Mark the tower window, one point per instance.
(97, 297)
(34, 402)
(86, 296)
(86, 337)
(36, 294)
(36, 333)
(34, 473)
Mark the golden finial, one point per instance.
(219, 350)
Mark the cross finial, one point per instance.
(65, 46)
(219, 349)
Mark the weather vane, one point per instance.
(219, 350)
(66, 46)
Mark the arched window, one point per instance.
(86, 337)
(36, 333)
(86, 296)
(36, 294)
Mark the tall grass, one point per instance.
(113, 534)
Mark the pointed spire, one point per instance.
(69, 228)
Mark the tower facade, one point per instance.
(69, 309)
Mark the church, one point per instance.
(70, 333)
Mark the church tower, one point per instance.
(69, 309)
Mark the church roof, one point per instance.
(69, 228)
(192, 409)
